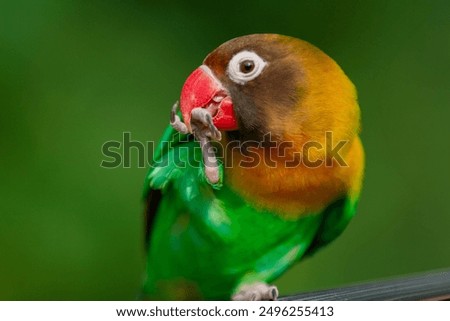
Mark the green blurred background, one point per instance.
(75, 74)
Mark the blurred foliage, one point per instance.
(75, 74)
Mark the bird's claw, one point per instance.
(202, 124)
(176, 122)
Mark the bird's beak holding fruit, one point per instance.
(203, 90)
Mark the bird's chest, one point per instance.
(289, 192)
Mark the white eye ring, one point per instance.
(234, 67)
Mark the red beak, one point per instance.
(202, 89)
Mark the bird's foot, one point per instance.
(201, 123)
(256, 292)
(204, 131)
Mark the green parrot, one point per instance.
(261, 167)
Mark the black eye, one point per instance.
(247, 66)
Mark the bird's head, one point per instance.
(267, 83)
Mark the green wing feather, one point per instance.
(206, 240)
(335, 219)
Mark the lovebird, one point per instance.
(260, 166)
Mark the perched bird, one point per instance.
(262, 167)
